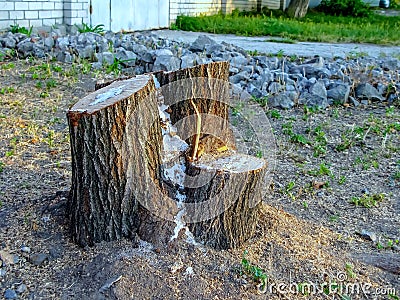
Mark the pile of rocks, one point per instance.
(286, 81)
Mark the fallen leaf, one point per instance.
(319, 184)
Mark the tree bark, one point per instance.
(297, 8)
(225, 210)
(119, 188)
(114, 143)
(221, 204)
(208, 87)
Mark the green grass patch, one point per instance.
(283, 41)
(315, 27)
(368, 201)
(255, 272)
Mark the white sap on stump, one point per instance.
(158, 162)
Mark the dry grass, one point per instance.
(293, 244)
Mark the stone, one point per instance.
(8, 258)
(48, 42)
(290, 88)
(109, 35)
(105, 57)
(267, 75)
(391, 64)
(38, 258)
(261, 61)
(212, 48)
(221, 55)
(127, 58)
(200, 43)
(312, 100)
(258, 81)
(312, 81)
(139, 70)
(364, 102)
(204, 60)
(319, 89)
(25, 47)
(166, 63)
(62, 43)
(250, 69)
(354, 101)
(317, 62)
(275, 87)
(138, 49)
(39, 51)
(57, 32)
(22, 288)
(148, 57)
(10, 294)
(239, 77)
(377, 73)
(381, 88)
(217, 59)
(141, 50)
(366, 91)
(339, 93)
(369, 235)
(8, 42)
(233, 71)
(283, 77)
(25, 249)
(161, 52)
(97, 65)
(392, 98)
(389, 262)
(281, 100)
(189, 60)
(323, 73)
(3, 272)
(238, 62)
(255, 92)
(86, 52)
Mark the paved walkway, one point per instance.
(300, 49)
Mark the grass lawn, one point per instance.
(315, 27)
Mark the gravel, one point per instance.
(319, 81)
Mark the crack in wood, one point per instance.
(117, 166)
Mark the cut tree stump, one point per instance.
(225, 210)
(115, 140)
(120, 181)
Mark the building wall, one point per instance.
(42, 13)
(76, 11)
(193, 7)
(197, 7)
(50, 12)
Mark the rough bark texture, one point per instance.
(297, 8)
(221, 208)
(116, 143)
(227, 206)
(113, 143)
(208, 87)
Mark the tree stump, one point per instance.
(115, 141)
(124, 179)
(224, 211)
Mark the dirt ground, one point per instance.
(329, 228)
